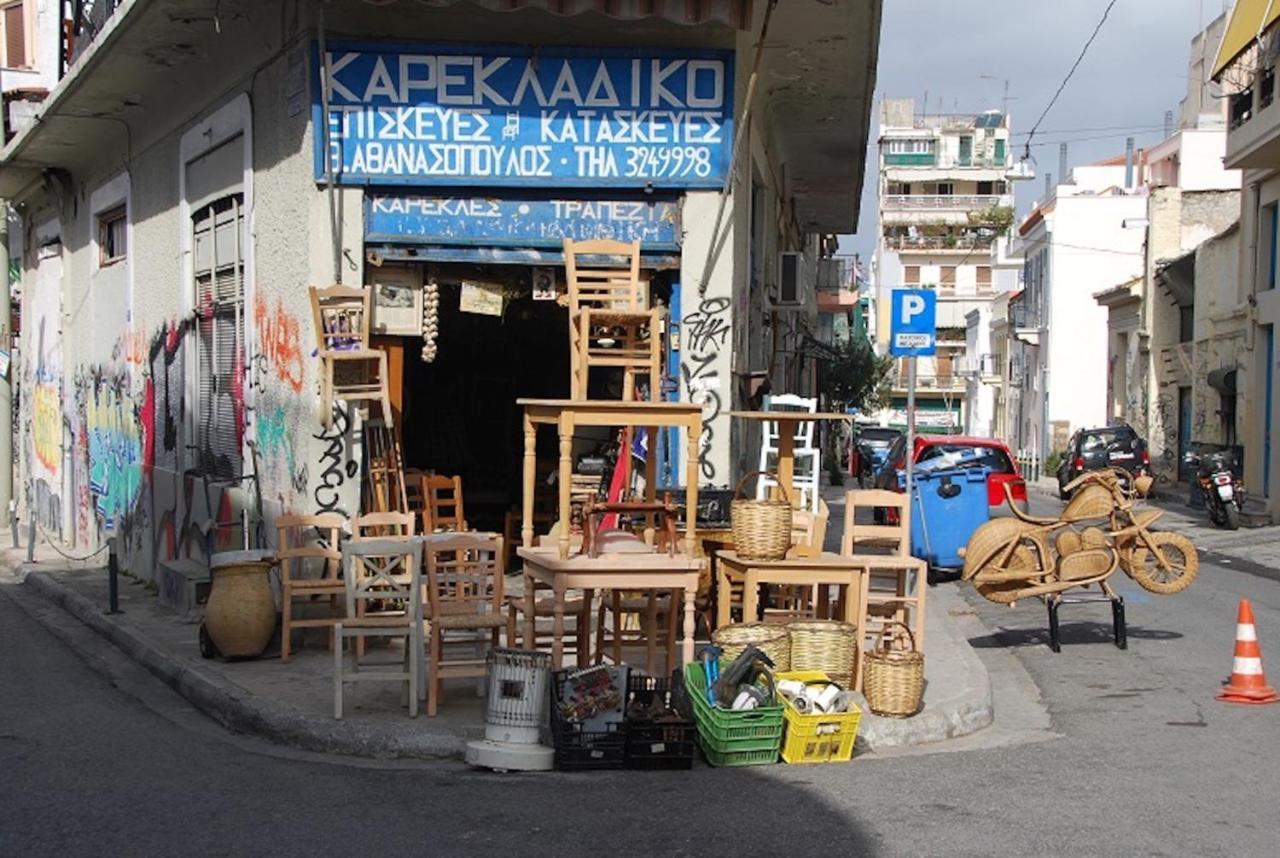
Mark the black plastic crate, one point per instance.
(657, 735)
(597, 738)
(578, 750)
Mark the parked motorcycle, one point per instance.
(1223, 491)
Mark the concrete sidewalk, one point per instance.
(292, 704)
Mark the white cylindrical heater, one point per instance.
(514, 713)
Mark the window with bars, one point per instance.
(901, 146)
(218, 252)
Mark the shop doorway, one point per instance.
(497, 342)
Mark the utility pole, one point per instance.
(6, 383)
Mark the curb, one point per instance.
(957, 716)
(249, 714)
(245, 713)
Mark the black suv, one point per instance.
(1116, 446)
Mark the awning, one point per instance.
(1248, 19)
(734, 13)
(1179, 277)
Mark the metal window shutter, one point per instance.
(216, 173)
(15, 37)
(219, 292)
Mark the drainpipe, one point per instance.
(6, 386)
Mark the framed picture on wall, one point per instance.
(397, 300)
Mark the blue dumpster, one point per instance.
(949, 503)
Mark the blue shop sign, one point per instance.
(510, 116)
(519, 221)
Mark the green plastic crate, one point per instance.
(729, 738)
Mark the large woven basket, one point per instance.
(829, 646)
(893, 679)
(761, 528)
(771, 639)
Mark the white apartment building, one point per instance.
(1087, 236)
(945, 198)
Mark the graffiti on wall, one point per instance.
(338, 460)
(115, 450)
(46, 428)
(275, 444)
(280, 342)
(704, 333)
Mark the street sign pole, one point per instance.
(911, 428)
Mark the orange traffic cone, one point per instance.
(1248, 684)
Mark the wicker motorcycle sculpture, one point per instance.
(1099, 531)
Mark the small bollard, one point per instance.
(113, 582)
(13, 522)
(31, 539)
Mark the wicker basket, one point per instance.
(773, 640)
(893, 680)
(829, 646)
(761, 528)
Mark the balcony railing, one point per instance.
(925, 381)
(943, 202)
(87, 21)
(939, 242)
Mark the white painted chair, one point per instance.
(383, 581)
(808, 458)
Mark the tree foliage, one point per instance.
(858, 378)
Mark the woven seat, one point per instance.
(470, 621)
(464, 592)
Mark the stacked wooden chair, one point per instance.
(353, 371)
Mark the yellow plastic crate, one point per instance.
(817, 738)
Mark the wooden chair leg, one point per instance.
(434, 680)
(337, 675)
(286, 620)
(600, 617)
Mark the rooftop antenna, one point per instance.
(1062, 161)
(1004, 101)
(1168, 123)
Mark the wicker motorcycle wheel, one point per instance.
(1182, 563)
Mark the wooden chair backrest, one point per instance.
(300, 538)
(858, 537)
(375, 525)
(464, 573)
(414, 490)
(342, 316)
(377, 572)
(443, 509)
(600, 287)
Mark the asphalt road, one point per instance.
(1143, 762)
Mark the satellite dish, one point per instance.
(1020, 171)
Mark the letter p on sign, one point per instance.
(913, 322)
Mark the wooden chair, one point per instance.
(383, 585)
(639, 619)
(302, 539)
(375, 525)
(617, 300)
(464, 593)
(443, 509)
(342, 315)
(898, 581)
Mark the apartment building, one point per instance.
(946, 196)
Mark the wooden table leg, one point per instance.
(786, 459)
(857, 614)
(651, 632)
(651, 475)
(689, 624)
(750, 597)
(693, 472)
(583, 632)
(822, 610)
(724, 596)
(530, 610)
(557, 625)
(566, 480)
(674, 601)
(530, 475)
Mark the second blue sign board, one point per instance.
(473, 115)
(520, 220)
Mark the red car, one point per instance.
(991, 453)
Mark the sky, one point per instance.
(961, 54)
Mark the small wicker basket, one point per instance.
(829, 646)
(761, 528)
(771, 639)
(893, 680)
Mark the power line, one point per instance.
(1074, 66)
(1093, 128)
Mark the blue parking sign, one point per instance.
(913, 323)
